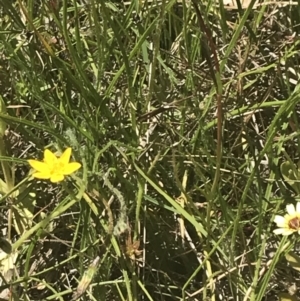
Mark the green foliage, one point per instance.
(184, 117)
(291, 175)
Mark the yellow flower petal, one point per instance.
(290, 209)
(57, 178)
(278, 231)
(280, 221)
(287, 232)
(65, 157)
(41, 175)
(38, 165)
(54, 168)
(290, 222)
(282, 231)
(49, 158)
(71, 167)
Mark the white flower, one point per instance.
(289, 223)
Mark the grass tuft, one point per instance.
(184, 117)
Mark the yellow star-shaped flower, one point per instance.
(53, 168)
(289, 223)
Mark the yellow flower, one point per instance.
(54, 168)
(289, 223)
